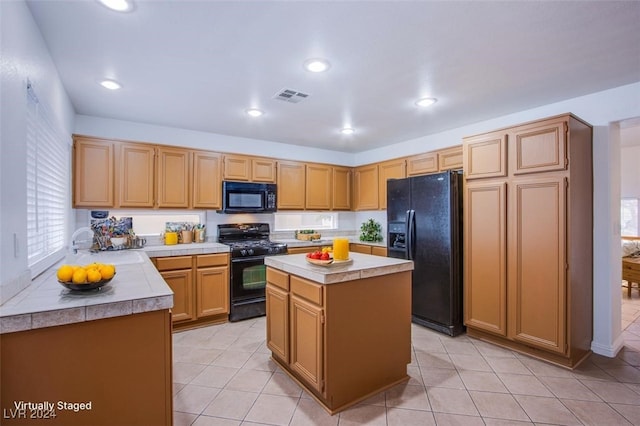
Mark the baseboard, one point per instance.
(608, 351)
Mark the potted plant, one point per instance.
(371, 231)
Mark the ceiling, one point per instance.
(200, 64)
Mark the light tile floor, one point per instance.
(223, 376)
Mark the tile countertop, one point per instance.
(363, 266)
(137, 287)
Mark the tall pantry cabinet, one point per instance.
(528, 229)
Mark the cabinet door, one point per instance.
(485, 155)
(318, 187)
(237, 167)
(93, 165)
(277, 307)
(263, 170)
(181, 282)
(206, 180)
(395, 169)
(360, 248)
(537, 263)
(379, 251)
(173, 177)
(366, 187)
(422, 164)
(291, 185)
(212, 291)
(307, 342)
(136, 175)
(341, 194)
(485, 269)
(540, 147)
(450, 159)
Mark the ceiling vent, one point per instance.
(289, 95)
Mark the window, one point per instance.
(629, 217)
(48, 163)
(296, 221)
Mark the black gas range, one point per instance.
(249, 243)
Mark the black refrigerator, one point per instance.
(424, 224)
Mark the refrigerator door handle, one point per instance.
(411, 233)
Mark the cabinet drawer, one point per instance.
(379, 251)
(360, 248)
(278, 279)
(307, 290)
(173, 262)
(205, 260)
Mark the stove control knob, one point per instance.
(243, 252)
(250, 252)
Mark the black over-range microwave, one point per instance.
(248, 197)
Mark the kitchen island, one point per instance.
(98, 357)
(343, 331)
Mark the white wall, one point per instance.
(23, 55)
(630, 171)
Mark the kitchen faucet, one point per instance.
(74, 247)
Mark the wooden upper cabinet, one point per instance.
(291, 185)
(394, 169)
(93, 173)
(365, 185)
(135, 175)
(237, 167)
(422, 164)
(263, 170)
(485, 155)
(250, 169)
(173, 177)
(206, 188)
(341, 194)
(450, 158)
(540, 147)
(318, 186)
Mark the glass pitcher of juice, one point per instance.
(340, 249)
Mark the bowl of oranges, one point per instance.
(87, 277)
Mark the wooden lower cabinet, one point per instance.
(200, 287)
(122, 366)
(368, 249)
(326, 338)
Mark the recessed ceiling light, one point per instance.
(110, 84)
(254, 112)
(424, 102)
(118, 5)
(347, 131)
(317, 65)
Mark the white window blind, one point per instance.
(48, 163)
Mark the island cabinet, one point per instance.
(528, 254)
(344, 341)
(200, 287)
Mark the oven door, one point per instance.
(248, 279)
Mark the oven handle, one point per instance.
(247, 259)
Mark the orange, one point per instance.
(93, 275)
(107, 271)
(65, 273)
(79, 276)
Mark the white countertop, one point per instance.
(137, 287)
(363, 266)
